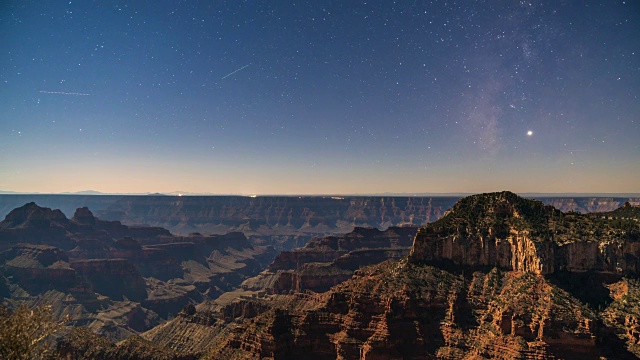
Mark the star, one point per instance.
(529, 133)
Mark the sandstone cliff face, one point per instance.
(515, 252)
(622, 316)
(504, 230)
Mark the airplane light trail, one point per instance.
(231, 73)
(63, 93)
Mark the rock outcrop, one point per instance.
(507, 231)
(397, 310)
(622, 316)
(328, 261)
(39, 268)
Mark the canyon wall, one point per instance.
(506, 231)
(330, 260)
(276, 215)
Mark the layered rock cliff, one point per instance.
(398, 310)
(284, 216)
(328, 261)
(507, 231)
(273, 215)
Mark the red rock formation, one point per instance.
(397, 310)
(410, 309)
(504, 230)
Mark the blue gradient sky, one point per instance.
(319, 97)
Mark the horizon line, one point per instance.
(389, 193)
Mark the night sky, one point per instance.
(320, 97)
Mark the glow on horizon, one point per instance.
(326, 181)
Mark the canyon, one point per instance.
(277, 215)
(327, 261)
(488, 280)
(254, 216)
(495, 276)
(115, 279)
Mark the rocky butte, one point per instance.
(498, 277)
(506, 231)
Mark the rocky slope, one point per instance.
(397, 311)
(81, 343)
(116, 279)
